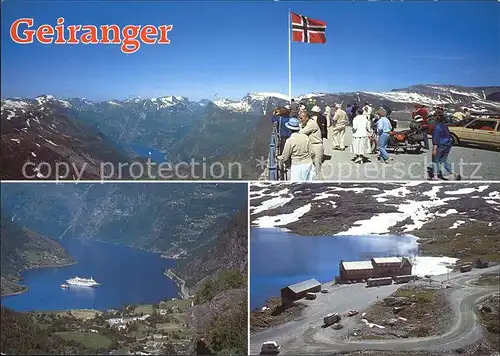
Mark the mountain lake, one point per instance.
(128, 276)
(279, 258)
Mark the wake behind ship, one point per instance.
(83, 282)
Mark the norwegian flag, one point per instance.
(307, 30)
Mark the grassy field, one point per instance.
(89, 339)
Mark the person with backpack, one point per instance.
(320, 120)
(442, 143)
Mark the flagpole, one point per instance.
(289, 55)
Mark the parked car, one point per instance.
(352, 312)
(270, 347)
(480, 131)
(310, 296)
(331, 318)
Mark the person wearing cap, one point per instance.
(320, 120)
(416, 124)
(442, 143)
(383, 128)
(297, 150)
(361, 130)
(311, 129)
(340, 119)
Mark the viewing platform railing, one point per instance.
(276, 170)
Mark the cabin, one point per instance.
(299, 290)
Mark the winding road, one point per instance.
(306, 336)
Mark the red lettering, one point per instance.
(42, 32)
(130, 43)
(163, 34)
(73, 29)
(147, 31)
(89, 37)
(105, 29)
(60, 31)
(29, 34)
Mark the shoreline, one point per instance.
(183, 292)
(156, 251)
(26, 288)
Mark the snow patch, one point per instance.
(457, 223)
(271, 204)
(325, 195)
(283, 219)
(464, 191)
(52, 143)
(432, 266)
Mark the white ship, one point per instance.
(84, 282)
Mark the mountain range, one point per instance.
(77, 130)
(170, 218)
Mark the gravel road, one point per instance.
(472, 163)
(306, 335)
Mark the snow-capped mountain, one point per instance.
(38, 130)
(477, 99)
(184, 129)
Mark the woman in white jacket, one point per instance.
(361, 131)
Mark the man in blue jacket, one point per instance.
(442, 143)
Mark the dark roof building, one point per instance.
(299, 290)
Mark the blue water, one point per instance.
(156, 155)
(129, 276)
(278, 258)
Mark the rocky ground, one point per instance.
(457, 220)
(273, 314)
(410, 312)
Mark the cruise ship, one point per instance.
(84, 282)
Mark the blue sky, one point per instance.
(226, 49)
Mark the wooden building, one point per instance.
(299, 290)
(374, 268)
(356, 270)
(391, 266)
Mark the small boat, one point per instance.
(64, 286)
